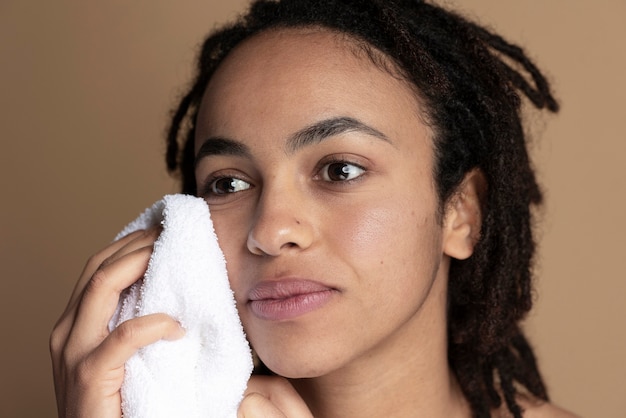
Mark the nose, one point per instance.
(282, 224)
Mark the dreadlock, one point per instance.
(471, 99)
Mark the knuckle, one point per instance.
(252, 402)
(98, 280)
(95, 262)
(84, 374)
(257, 405)
(69, 355)
(56, 341)
(126, 332)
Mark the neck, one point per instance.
(405, 376)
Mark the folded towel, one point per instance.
(205, 373)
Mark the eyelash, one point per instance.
(321, 171)
(321, 174)
(210, 183)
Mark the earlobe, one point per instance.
(463, 216)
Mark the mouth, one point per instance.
(288, 298)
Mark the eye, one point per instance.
(227, 185)
(341, 171)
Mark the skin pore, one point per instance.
(318, 171)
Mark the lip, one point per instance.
(279, 300)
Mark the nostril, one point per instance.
(282, 231)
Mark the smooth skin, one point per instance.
(352, 208)
(376, 237)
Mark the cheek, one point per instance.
(232, 237)
(384, 233)
(367, 236)
(394, 249)
(393, 253)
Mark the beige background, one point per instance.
(85, 89)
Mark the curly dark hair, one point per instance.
(465, 77)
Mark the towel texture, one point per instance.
(205, 373)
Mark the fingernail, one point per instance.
(177, 333)
(180, 332)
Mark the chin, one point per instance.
(298, 367)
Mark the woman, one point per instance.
(368, 179)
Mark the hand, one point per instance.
(87, 359)
(272, 397)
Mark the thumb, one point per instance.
(272, 397)
(255, 405)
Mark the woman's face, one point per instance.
(318, 173)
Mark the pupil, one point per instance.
(339, 171)
(225, 186)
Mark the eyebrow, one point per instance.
(218, 145)
(310, 135)
(327, 128)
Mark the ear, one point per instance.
(463, 216)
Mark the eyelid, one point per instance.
(205, 187)
(355, 161)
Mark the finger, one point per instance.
(61, 329)
(147, 238)
(112, 252)
(101, 297)
(130, 336)
(125, 245)
(95, 261)
(99, 376)
(280, 393)
(255, 405)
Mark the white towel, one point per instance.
(205, 373)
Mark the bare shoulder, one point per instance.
(536, 408)
(541, 409)
(548, 410)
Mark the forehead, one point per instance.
(296, 75)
